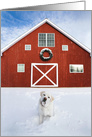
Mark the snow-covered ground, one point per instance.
(72, 112)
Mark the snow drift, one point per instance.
(72, 112)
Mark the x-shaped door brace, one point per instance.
(44, 74)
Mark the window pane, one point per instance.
(42, 36)
(50, 43)
(42, 43)
(50, 36)
(50, 40)
(27, 47)
(42, 40)
(21, 68)
(65, 47)
(46, 40)
(76, 69)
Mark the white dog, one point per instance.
(45, 106)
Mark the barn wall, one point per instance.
(17, 54)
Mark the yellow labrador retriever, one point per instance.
(45, 106)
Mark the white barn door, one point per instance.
(44, 75)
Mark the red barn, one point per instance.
(45, 56)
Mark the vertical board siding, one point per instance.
(17, 55)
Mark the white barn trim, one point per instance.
(53, 25)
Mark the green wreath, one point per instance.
(46, 58)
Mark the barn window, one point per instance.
(27, 47)
(50, 40)
(76, 68)
(64, 47)
(20, 67)
(46, 40)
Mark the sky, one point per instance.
(75, 23)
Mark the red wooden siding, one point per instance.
(17, 55)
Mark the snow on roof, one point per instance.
(53, 25)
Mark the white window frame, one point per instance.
(46, 39)
(76, 64)
(18, 68)
(64, 49)
(27, 45)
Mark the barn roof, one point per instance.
(53, 25)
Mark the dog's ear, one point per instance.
(41, 93)
(52, 98)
